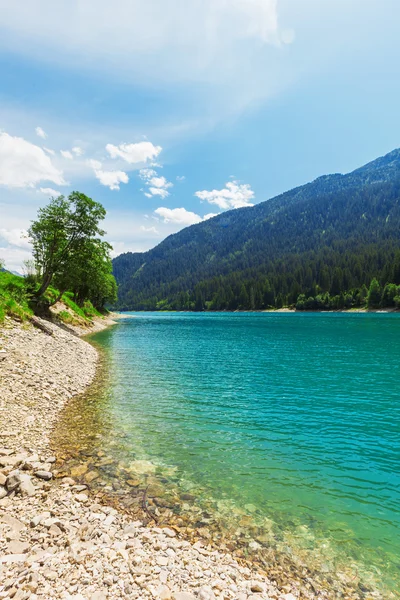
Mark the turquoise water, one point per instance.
(293, 419)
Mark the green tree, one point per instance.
(301, 302)
(388, 295)
(61, 231)
(243, 298)
(362, 295)
(89, 275)
(325, 279)
(199, 301)
(269, 294)
(337, 282)
(374, 294)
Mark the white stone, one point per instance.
(18, 547)
(13, 480)
(206, 593)
(26, 486)
(169, 532)
(46, 475)
(164, 593)
(12, 558)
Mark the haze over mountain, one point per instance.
(332, 235)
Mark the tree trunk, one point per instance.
(45, 284)
(36, 323)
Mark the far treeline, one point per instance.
(71, 263)
(311, 282)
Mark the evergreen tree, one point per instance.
(374, 294)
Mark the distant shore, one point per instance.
(271, 310)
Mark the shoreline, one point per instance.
(273, 311)
(56, 540)
(123, 484)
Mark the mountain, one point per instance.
(331, 236)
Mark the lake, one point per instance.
(283, 429)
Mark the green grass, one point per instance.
(90, 311)
(87, 311)
(14, 302)
(13, 297)
(67, 299)
(67, 318)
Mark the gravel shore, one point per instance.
(56, 540)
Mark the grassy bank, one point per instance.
(15, 302)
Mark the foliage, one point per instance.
(332, 236)
(89, 274)
(67, 249)
(68, 252)
(71, 262)
(353, 299)
(374, 294)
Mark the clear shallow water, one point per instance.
(291, 419)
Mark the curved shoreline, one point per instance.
(120, 485)
(113, 478)
(56, 541)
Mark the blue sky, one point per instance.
(169, 112)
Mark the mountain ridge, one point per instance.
(335, 213)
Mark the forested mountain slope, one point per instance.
(331, 236)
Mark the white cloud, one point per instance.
(190, 40)
(210, 216)
(180, 178)
(41, 133)
(66, 154)
(50, 192)
(148, 229)
(14, 257)
(77, 150)
(95, 164)
(111, 179)
(147, 174)
(120, 248)
(134, 153)
(16, 237)
(157, 192)
(23, 164)
(160, 182)
(49, 151)
(178, 215)
(234, 195)
(158, 185)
